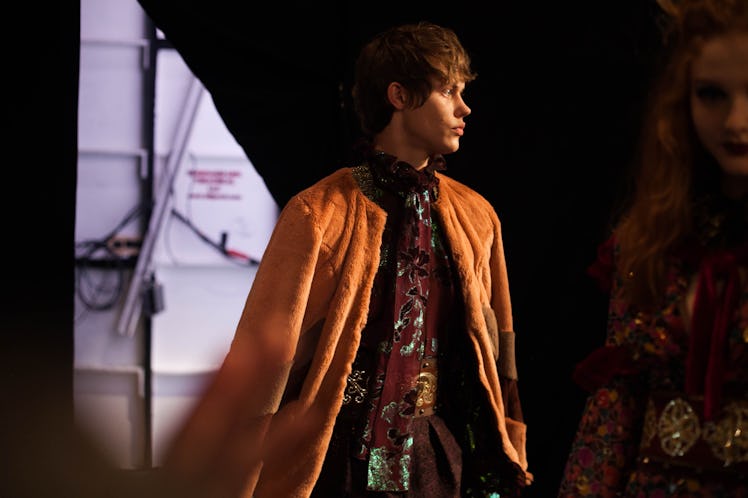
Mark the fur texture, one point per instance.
(318, 269)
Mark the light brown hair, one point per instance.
(413, 55)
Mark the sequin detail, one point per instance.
(356, 390)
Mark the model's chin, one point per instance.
(451, 146)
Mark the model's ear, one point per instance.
(397, 95)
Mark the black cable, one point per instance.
(218, 246)
(100, 295)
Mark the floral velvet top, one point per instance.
(668, 410)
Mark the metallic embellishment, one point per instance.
(426, 385)
(380, 476)
(727, 437)
(426, 388)
(365, 181)
(685, 438)
(356, 390)
(678, 427)
(650, 424)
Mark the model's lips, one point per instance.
(459, 130)
(736, 148)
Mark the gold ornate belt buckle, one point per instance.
(426, 388)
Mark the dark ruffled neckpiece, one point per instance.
(400, 177)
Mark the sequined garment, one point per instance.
(644, 432)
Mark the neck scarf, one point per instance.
(387, 440)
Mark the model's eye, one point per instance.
(709, 93)
(453, 90)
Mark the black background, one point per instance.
(556, 109)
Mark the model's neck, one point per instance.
(396, 145)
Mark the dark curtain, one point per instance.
(41, 77)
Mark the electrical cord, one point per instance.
(231, 254)
(102, 293)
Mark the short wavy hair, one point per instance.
(413, 55)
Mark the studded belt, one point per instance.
(426, 388)
(675, 433)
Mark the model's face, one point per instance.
(437, 125)
(719, 102)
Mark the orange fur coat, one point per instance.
(307, 307)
